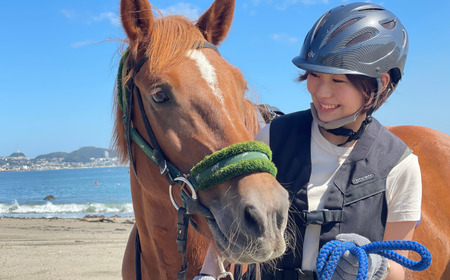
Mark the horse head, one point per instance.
(195, 105)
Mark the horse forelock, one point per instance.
(171, 39)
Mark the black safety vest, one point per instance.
(354, 203)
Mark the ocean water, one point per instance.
(77, 192)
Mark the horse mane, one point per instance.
(170, 39)
(250, 117)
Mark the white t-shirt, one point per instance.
(403, 187)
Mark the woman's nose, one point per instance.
(323, 89)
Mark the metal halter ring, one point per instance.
(186, 181)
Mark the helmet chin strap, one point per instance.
(336, 127)
(336, 123)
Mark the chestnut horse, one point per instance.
(193, 104)
(433, 150)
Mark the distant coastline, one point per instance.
(85, 157)
(62, 167)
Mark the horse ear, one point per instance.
(137, 18)
(216, 21)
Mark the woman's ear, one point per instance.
(385, 80)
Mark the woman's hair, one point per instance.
(368, 86)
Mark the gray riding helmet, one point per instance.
(357, 38)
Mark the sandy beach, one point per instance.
(88, 248)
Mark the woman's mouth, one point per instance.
(328, 107)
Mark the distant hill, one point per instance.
(83, 154)
(17, 154)
(53, 155)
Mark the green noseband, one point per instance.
(235, 160)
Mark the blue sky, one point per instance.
(58, 62)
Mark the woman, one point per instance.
(348, 177)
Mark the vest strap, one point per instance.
(321, 217)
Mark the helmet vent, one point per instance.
(405, 38)
(322, 21)
(389, 25)
(360, 38)
(373, 9)
(341, 28)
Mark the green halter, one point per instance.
(232, 161)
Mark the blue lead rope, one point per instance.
(331, 252)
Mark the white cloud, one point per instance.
(109, 16)
(69, 14)
(81, 44)
(181, 8)
(88, 18)
(284, 38)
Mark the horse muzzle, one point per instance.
(244, 206)
(250, 219)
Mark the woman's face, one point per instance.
(334, 96)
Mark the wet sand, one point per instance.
(89, 248)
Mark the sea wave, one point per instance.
(65, 210)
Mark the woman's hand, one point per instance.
(348, 265)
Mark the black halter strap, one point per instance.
(159, 156)
(137, 256)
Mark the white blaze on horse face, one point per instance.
(208, 73)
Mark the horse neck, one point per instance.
(150, 194)
(156, 224)
(156, 219)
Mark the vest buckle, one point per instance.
(321, 217)
(316, 217)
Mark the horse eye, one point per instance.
(160, 97)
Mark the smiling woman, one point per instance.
(349, 178)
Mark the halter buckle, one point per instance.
(186, 181)
(163, 169)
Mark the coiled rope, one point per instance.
(331, 252)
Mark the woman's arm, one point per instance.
(398, 231)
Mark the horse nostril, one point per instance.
(280, 220)
(254, 221)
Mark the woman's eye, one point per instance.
(313, 74)
(160, 97)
